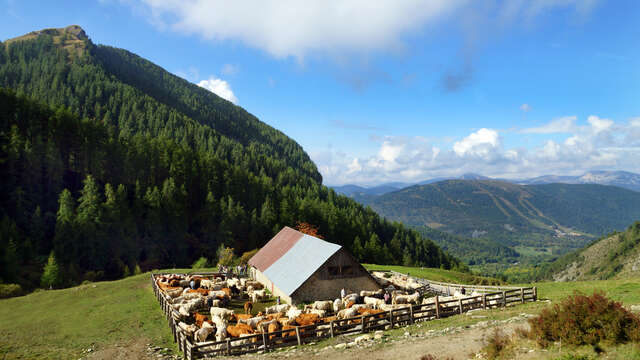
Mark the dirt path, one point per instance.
(451, 343)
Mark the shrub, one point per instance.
(496, 343)
(585, 320)
(247, 256)
(10, 290)
(137, 270)
(52, 275)
(200, 263)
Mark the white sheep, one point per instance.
(282, 308)
(293, 313)
(347, 313)
(320, 313)
(253, 322)
(221, 313)
(337, 305)
(375, 302)
(326, 305)
(204, 332)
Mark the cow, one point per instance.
(239, 329)
(204, 332)
(248, 307)
(373, 301)
(277, 308)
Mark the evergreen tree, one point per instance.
(51, 276)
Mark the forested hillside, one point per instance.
(556, 216)
(126, 164)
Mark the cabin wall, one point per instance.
(340, 271)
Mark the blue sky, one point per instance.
(401, 90)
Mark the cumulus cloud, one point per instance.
(220, 88)
(479, 143)
(597, 143)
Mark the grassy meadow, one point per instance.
(60, 324)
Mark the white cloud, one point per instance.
(220, 88)
(525, 107)
(286, 28)
(479, 143)
(560, 125)
(598, 144)
(599, 125)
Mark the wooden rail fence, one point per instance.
(360, 324)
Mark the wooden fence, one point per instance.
(359, 324)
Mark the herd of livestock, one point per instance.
(203, 312)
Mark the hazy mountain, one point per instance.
(623, 179)
(561, 216)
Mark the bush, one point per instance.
(244, 259)
(585, 320)
(10, 290)
(200, 263)
(136, 270)
(496, 344)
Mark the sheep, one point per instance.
(326, 305)
(282, 308)
(293, 313)
(373, 301)
(347, 313)
(206, 284)
(406, 299)
(337, 305)
(253, 322)
(204, 332)
(320, 313)
(221, 313)
(189, 329)
(221, 328)
(364, 293)
(218, 294)
(257, 295)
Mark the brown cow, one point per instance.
(237, 317)
(200, 319)
(307, 319)
(350, 304)
(203, 292)
(273, 327)
(240, 329)
(248, 307)
(227, 291)
(288, 333)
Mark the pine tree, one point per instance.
(51, 277)
(64, 242)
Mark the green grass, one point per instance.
(436, 274)
(60, 324)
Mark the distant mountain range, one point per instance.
(542, 219)
(624, 179)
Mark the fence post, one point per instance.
(504, 298)
(297, 336)
(363, 319)
(535, 293)
(411, 313)
(437, 308)
(391, 317)
(484, 301)
(229, 345)
(331, 330)
(522, 294)
(264, 340)
(460, 306)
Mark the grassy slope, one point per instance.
(61, 323)
(436, 274)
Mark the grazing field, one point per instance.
(436, 274)
(61, 324)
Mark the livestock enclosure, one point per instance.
(489, 297)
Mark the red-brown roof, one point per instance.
(275, 248)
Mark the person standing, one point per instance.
(342, 293)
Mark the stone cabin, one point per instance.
(302, 268)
